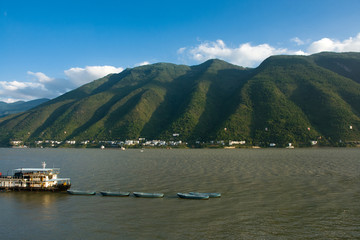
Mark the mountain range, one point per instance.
(287, 99)
(19, 106)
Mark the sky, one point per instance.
(50, 47)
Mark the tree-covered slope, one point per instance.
(298, 95)
(345, 64)
(294, 99)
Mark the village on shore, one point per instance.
(143, 143)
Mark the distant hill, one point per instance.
(295, 99)
(20, 106)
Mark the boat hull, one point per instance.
(59, 188)
(211, 195)
(193, 196)
(115, 194)
(148, 195)
(78, 192)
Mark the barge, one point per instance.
(35, 179)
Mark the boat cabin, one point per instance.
(37, 179)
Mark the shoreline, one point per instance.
(122, 148)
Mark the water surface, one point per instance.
(266, 194)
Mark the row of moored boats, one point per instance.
(190, 195)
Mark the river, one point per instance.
(266, 194)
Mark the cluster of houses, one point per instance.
(118, 143)
(140, 141)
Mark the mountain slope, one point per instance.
(345, 64)
(286, 99)
(305, 96)
(20, 106)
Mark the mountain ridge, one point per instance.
(287, 99)
(19, 106)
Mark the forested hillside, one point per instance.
(295, 99)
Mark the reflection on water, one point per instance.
(266, 194)
(37, 200)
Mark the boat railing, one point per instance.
(10, 177)
(27, 179)
(36, 174)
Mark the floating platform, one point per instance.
(148, 195)
(80, 192)
(193, 196)
(114, 194)
(211, 195)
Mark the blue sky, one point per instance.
(50, 47)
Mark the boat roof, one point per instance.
(37, 169)
(58, 179)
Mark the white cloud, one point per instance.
(298, 41)
(11, 91)
(142, 64)
(15, 85)
(181, 50)
(80, 76)
(244, 55)
(40, 76)
(334, 45)
(249, 55)
(298, 52)
(43, 86)
(9, 100)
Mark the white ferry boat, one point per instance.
(35, 179)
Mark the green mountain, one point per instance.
(19, 106)
(286, 99)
